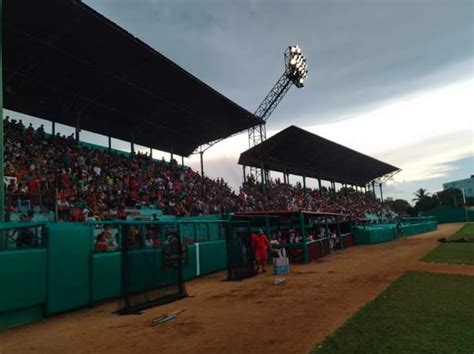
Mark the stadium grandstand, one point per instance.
(98, 77)
(299, 152)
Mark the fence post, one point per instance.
(338, 230)
(303, 234)
(326, 231)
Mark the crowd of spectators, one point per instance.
(90, 183)
(279, 196)
(55, 174)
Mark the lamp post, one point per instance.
(296, 72)
(465, 204)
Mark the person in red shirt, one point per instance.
(260, 245)
(101, 243)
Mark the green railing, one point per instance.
(22, 235)
(369, 234)
(23, 272)
(60, 269)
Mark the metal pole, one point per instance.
(56, 211)
(110, 144)
(243, 170)
(132, 145)
(320, 190)
(2, 181)
(304, 184)
(303, 234)
(151, 153)
(338, 231)
(182, 161)
(53, 127)
(172, 159)
(326, 231)
(381, 193)
(78, 129)
(465, 204)
(373, 189)
(202, 163)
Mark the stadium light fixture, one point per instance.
(296, 69)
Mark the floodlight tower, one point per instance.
(296, 71)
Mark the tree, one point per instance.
(420, 194)
(400, 206)
(424, 202)
(451, 198)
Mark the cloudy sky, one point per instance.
(392, 79)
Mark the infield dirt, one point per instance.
(251, 316)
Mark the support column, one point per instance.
(326, 232)
(202, 163)
(182, 161)
(262, 177)
(78, 129)
(2, 182)
(381, 193)
(304, 184)
(243, 171)
(53, 129)
(320, 190)
(172, 159)
(132, 146)
(151, 153)
(110, 144)
(303, 235)
(338, 231)
(373, 189)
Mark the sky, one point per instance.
(391, 79)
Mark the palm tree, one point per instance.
(420, 194)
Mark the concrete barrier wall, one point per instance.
(388, 232)
(23, 286)
(450, 215)
(68, 275)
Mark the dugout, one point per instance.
(306, 235)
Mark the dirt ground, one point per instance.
(251, 316)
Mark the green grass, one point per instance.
(458, 253)
(466, 231)
(419, 313)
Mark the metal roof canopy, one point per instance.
(299, 152)
(65, 62)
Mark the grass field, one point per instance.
(458, 253)
(419, 313)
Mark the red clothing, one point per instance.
(33, 186)
(133, 184)
(101, 246)
(260, 245)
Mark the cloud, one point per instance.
(360, 54)
(421, 133)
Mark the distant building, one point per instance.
(466, 184)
